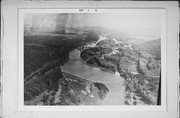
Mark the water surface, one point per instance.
(113, 81)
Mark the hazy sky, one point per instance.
(134, 22)
(124, 20)
(114, 21)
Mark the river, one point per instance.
(114, 82)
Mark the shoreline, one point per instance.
(75, 76)
(101, 68)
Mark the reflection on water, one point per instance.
(114, 82)
(75, 54)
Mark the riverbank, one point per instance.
(69, 90)
(101, 68)
(78, 83)
(110, 79)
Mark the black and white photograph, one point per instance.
(92, 58)
(89, 59)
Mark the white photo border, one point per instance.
(22, 107)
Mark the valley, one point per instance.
(90, 68)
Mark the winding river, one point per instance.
(114, 82)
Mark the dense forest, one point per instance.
(41, 83)
(43, 56)
(140, 67)
(42, 49)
